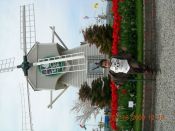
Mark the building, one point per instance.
(77, 67)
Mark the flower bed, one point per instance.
(116, 38)
(114, 105)
(116, 27)
(124, 34)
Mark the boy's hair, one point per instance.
(101, 63)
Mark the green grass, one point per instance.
(125, 119)
(139, 54)
(139, 92)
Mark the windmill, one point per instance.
(26, 116)
(52, 66)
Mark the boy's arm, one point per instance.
(123, 56)
(118, 78)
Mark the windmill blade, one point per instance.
(7, 65)
(27, 27)
(26, 108)
(53, 29)
(27, 34)
(29, 104)
(23, 33)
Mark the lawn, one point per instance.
(139, 86)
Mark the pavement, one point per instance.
(165, 82)
(159, 89)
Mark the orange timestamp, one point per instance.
(141, 117)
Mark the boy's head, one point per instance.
(104, 63)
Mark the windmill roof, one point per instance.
(37, 80)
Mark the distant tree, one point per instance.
(85, 92)
(92, 99)
(84, 111)
(99, 94)
(101, 36)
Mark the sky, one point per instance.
(67, 17)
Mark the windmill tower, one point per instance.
(52, 66)
(70, 67)
(60, 67)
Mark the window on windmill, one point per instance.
(52, 58)
(93, 68)
(53, 65)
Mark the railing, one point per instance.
(62, 64)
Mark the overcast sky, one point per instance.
(67, 17)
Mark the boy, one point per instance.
(122, 66)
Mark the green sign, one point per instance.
(52, 68)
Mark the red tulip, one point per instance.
(114, 105)
(124, 91)
(114, 50)
(116, 27)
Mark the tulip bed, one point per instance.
(122, 117)
(124, 26)
(127, 32)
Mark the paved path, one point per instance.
(165, 83)
(159, 95)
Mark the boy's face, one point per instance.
(106, 64)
